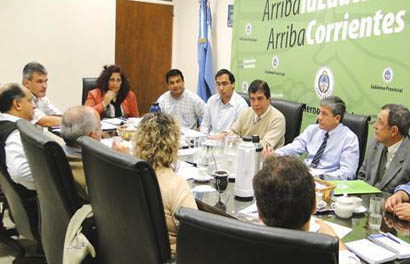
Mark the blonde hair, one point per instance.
(157, 140)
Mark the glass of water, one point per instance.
(375, 212)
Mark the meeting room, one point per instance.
(207, 131)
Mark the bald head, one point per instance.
(80, 121)
(16, 100)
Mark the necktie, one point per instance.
(382, 165)
(316, 158)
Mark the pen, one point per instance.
(388, 235)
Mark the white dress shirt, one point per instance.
(340, 159)
(219, 116)
(188, 109)
(43, 107)
(16, 161)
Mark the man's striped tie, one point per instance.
(316, 158)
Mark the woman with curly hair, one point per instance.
(113, 97)
(157, 142)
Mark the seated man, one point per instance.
(387, 163)
(222, 109)
(261, 118)
(399, 202)
(332, 149)
(185, 106)
(35, 79)
(15, 103)
(76, 122)
(285, 197)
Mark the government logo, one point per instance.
(245, 87)
(387, 75)
(248, 29)
(324, 82)
(275, 62)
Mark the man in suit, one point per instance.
(387, 163)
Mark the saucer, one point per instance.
(201, 179)
(360, 210)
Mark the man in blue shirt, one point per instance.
(332, 149)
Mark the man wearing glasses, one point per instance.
(222, 109)
(387, 163)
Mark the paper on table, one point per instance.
(107, 126)
(186, 170)
(250, 211)
(186, 132)
(114, 121)
(203, 188)
(370, 252)
(186, 152)
(341, 231)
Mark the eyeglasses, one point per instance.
(115, 80)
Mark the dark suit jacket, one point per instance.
(398, 171)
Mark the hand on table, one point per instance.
(394, 200)
(402, 211)
(118, 146)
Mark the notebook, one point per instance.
(380, 248)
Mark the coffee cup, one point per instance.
(357, 203)
(344, 207)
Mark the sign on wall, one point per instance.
(309, 49)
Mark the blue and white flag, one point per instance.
(206, 84)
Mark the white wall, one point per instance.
(75, 38)
(71, 38)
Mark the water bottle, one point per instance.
(155, 108)
(245, 170)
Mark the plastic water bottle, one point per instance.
(155, 108)
(245, 170)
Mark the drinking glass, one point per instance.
(230, 154)
(202, 157)
(375, 212)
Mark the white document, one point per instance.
(107, 126)
(250, 211)
(186, 170)
(114, 121)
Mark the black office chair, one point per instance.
(293, 112)
(24, 214)
(127, 206)
(58, 197)
(359, 124)
(246, 97)
(208, 238)
(88, 84)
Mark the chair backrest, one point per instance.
(127, 206)
(359, 124)
(21, 217)
(246, 97)
(88, 84)
(293, 112)
(55, 187)
(207, 238)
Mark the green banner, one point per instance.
(309, 49)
